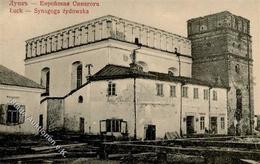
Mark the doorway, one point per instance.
(214, 125)
(41, 120)
(82, 125)
(190, 125)
(150, 132)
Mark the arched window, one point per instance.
(80, 99)
(173, 71)
(239, 47)
(143, 66)
(76, 76)
(45, 79)
(79, 76)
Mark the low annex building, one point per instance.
(18, 93)
(120, 101)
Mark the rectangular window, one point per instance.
(108, 126)
(173, 91)
(123, 127)
(159, 89)
(113, 125)
(215, 95)
(206, 94)
(184, 92)
(195, 93)
(222, 122)
(12, 114)
(202, 123)
(111, 89)
(103, 126)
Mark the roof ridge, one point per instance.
(106, 73)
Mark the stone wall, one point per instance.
(221, 49)
(55, 114)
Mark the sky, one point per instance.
(169, 15)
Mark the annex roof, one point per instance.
(119, 72)
(9, 77)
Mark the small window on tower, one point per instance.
(208, 44)
(239, 47)
(237, 68)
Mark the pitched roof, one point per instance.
(111, 71)
(9, 77)
(116, 72)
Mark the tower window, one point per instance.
(239, 46)
(208, 44)
(237, 68)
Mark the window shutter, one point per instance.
(21, 114)
(102, 126)
(3, 113)
(123, 127)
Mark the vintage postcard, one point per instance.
(129, 81)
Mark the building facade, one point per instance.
(222, 53)
(119, 101)
(108, 39)
(19, 99)
(117, 77)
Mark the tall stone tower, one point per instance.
(222, 53)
